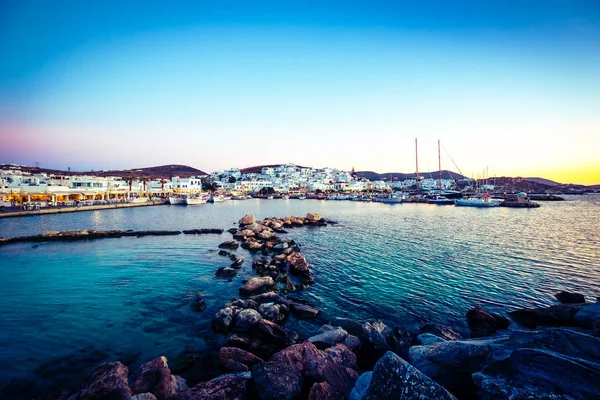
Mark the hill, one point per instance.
(374, 176)
(544, 181)
(158, 172)
(258, 168)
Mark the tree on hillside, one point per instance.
(266, 190)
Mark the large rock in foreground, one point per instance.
(394, 378)
(276, 381)
(570, 297)
(155, 377)
(247, 219)
(108, 381)
(558, 315)
(256, 286)
(229, 387)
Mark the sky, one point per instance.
(509, 87)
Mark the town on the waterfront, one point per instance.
(29, 189)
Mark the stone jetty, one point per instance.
(53, 236)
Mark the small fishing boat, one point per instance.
(176, 200)
(484, 201)
(440, 200)
(301, 197)
(196, 200)
(394, 199)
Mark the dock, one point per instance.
(10, 213)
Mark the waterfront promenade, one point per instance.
(9, 212)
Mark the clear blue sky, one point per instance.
(509, 85)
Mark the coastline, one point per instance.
(61, 210)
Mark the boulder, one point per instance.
(570, 297)
(237, 360)
(253, 246)
(108, 381)
(452, 363)
(272, 312)
(245, 233)
(443, 331)
(237, 263)
(587, 315)
(394, 378)
(143, 396)
(373, 343)
(273, 333)
(322, 391)
(480, 322)
(303, 311)
(426, 339)
(299, 266)
(269, 297)
(535, 373)
(247, 219)
(328, 337)
(361, 386)
(256, 286)
(596, 328)
(199, 303)
(353, 343)
(274, 381)
(223, 319)
(349, 325)
(557, 315)
(246, 320)
(243, 303)
(224, 253)
(230, 244)
(230, 387)
(254, 345)
(265, 235)
(155, 377)
(313, 217)
(226, 272)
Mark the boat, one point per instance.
(139, 200)
(196, 200)
(440, 200)
(393, 199)
(269, 197)
(176, 200)
(285, 197)
(301, 197)
(217, 198)
(483, 201)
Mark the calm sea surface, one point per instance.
(67, 307)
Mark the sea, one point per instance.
(68, 306)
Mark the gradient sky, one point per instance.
(512, 86)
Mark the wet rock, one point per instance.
(237, 360)
(232, 230)
(361, 386)
(256, 286)
(265, 235)
(558, 315)
(303, 311)
(226, 387)
(224, 253)
(247, 219)
(545, 374)
(427, 339)
(501, 321)
(443, 331)
(276, 381)
(269, 297)
(587, 315)
(245, 320)
(108, 381)
(230, 244)
(373, 343)
(199, 303)
(596, 328)
(280, 246)
(353, 343)
(272, 312)
(243, 234)
(243, 303)
(394, 378)
(254, 345)
(226, 272)
(155, 377)
(223, 319)
(480, 322)
(570, 297)
(237, 263)
(253, 246)
(349, 325)
(299, 266)
(328, 336)
(452, 363)
(273, 333)
(313, 217)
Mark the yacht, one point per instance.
(440, 200)
(485, 201)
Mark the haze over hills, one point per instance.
(544, 181)
(374, 176)
(158, 172)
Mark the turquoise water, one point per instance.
(69, 306)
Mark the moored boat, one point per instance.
(440, 200)
(484, 201)
(394, 199)
(196, 200)
(176, 200)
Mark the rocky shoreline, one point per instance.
(555, 355)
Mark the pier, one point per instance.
(15, 212)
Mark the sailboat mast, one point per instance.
(417, 163)
(440, 166)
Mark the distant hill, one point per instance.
(544, 181)
(159, 172)
(374, 176)
(258, 168)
